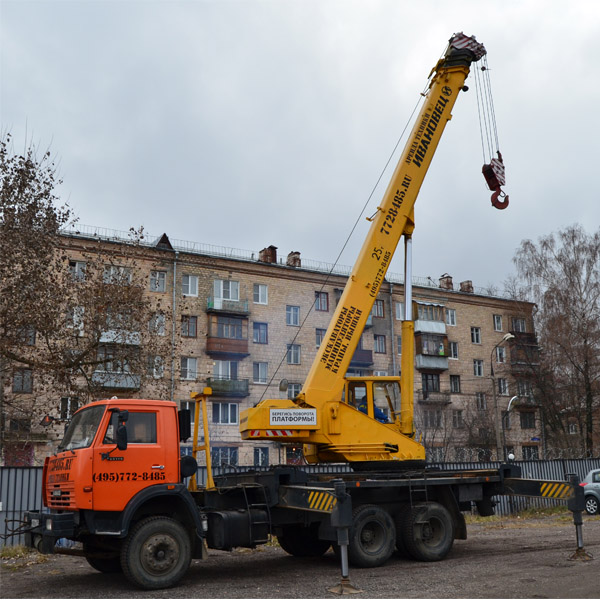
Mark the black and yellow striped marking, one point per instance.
(553, 489)
(321, 501)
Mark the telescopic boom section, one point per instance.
(394, 218)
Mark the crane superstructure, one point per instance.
(334, 416)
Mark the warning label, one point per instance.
(293, 416)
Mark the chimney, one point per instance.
(466, 286)
(293, 259)
(446, 282)
(268, 255)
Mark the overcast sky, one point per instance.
(250, 123)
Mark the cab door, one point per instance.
(121, 474)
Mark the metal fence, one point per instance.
(21, 487)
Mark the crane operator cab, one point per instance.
(378, 398)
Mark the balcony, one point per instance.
(232, 388)
(425, 397)
(232, 307)
(362, 358)
(229, 346)
(116, 381)
(434, 363)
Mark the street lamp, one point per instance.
(504, 419)
(497, 420)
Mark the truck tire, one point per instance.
(591, 505)
(399, 523)
(428, 532)
(372, 536)
(302, 541)
(103, 559)
(156, 553)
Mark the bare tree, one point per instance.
(69, 328)
(562, 276)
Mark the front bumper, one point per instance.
(43, 530)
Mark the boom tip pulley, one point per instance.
(495, 178)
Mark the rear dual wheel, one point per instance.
(426, 531)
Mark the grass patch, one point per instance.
(18, 557)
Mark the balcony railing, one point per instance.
(425, 397)
(236, 307)
(362, 358)
(116, 381)
(228, 387)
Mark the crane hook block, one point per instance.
(494, 177)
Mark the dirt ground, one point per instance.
(508, 558)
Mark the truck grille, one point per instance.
(61, 496)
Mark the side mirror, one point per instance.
(185, 424)
(122, 437)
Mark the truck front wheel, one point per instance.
(372, 537)
(428, 531)
(156, 553)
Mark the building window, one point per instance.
(68, 407)
(189, 285)
(481, 401)
(225, 413)
(457, 419)
(436, 454)
(531, 453)
(294, 456)
(430, 312)
(156, 324)
(75, 319)
(455, 384)
(260, 293)
(293, 390)
(500, 354)
(399, 344)
(224, 456)
(478, 367)
(115, 274)
(319, 336)
(430, 382)
(227, 289)
(399, 311)
(259, 370)
(432, 418)
(156, 367)
(261, 457)
(22, 381)
(189, 326)
(527, 420)
(231, 328)
(226, 369)
(573, 429)
(454, 350)
(379, 344)
(292, 315)
(158, 281)
(451, 316)
(189, 368)
(77, 270)
(293, 354)
(378, 309)
(503, 387)
(524, 388)
(519, 325)
(260, 333)
(475, 335)
(322, 301)
(497, 322)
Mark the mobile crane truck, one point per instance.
(117, 481)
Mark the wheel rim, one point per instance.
(591, 505)
(432, 532)
(160, 554)
(372, 537)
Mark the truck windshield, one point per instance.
(83, 427)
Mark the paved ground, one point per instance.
(511, 558)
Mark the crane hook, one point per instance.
(494, 177)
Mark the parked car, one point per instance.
(591, 487)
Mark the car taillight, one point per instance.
(583, 483)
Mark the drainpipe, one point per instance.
(174, 328)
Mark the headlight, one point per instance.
(35, 522)
(49, 524)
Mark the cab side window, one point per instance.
(141, 428)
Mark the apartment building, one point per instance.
(241, 322)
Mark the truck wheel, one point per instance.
(302, 541)
(398, 522)
(372, 536)
(102, 559)
(156, 553)
(428, 532)
(591, 505)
